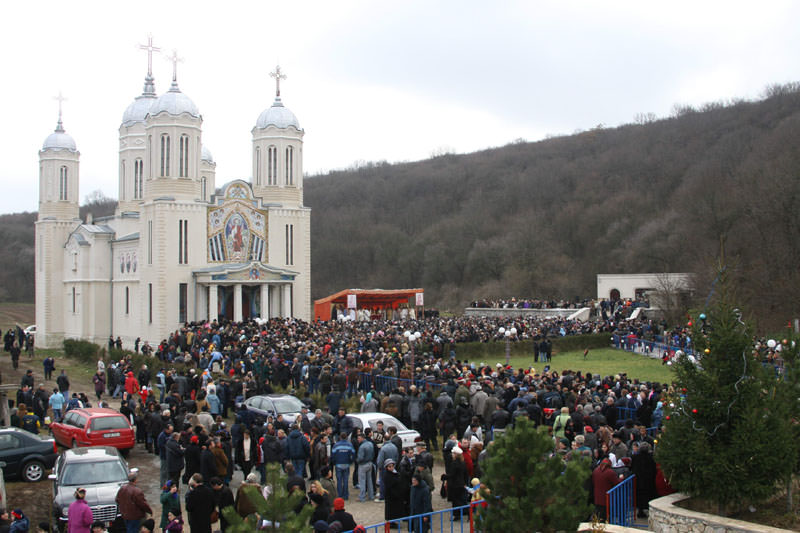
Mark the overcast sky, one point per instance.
(369, 81)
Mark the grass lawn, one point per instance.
(605, 361)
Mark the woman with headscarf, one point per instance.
(79, 514)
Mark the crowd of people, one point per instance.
(531, 303)
(180, 402)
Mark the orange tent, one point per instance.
(365, 299)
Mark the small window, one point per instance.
(184, 156)
(258, 165)
(165, 155)
(203, 188)
(138, 178)
(289, 165)
(272, 165)
(150, 302)
(182, 300)
(74, 302)
(110, 422)
(127, 301)
(8, 442)
(63, 183)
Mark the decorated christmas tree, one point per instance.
(531, 489)
(728, 434)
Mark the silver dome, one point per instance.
(278, 116)
(138, 110)
(205, 155)
(174, 102)
(59, 140)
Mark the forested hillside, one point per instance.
(542, 219)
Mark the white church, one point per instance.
(177, 249)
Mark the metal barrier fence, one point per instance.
(385, 384)
(462, 519)
(648, 348)
(621, 503)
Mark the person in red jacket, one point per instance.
(604, 478)
(131, 384)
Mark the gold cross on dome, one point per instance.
(278, 75)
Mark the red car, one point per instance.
(94, 426)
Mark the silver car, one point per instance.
(100, 470)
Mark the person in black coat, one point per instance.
(174, 457)
(420, 503)
(395, 492)
(192, 458)
(223, 498)
(644, 467)
(199, 505)
(457, 480)
(208, 463)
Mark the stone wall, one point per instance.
(666, 517)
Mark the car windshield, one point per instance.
(387, 420)
(109, 422)
(287, 405)
(93, 473)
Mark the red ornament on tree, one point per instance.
(689, 324)
(694, 411)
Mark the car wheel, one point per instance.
(33, 471)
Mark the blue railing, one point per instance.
(385, 384)
(649, 348)
(626, 413)
(462, 519)
(621, 503)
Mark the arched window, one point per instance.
(258, 165)
(184, 159)
(289, 165)
(203, 188)
(138, 178)
(165, 155)
(62, 183)
(272, 165)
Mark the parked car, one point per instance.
(26, 455)
(94, 426)
(100, 470)
(276, 404)
(362, 420)
(3, 495)
(31, 330)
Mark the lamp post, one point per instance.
(508, 333)
(412, 338)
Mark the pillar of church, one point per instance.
(213, 302)
(237, 302)
(287, 300)
(264, 300)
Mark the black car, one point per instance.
(276, 404)
(26, 455)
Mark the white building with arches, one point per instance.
(177, 249)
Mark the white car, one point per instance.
(31, 330)
(408, 436)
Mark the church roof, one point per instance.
(130, 237)
(97, 228)
(278, 116)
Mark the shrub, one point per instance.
(82, 350)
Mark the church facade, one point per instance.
(177, 249)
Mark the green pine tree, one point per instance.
(725, 427)
(529, 486)
(278, 510)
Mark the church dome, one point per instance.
(138, 110)
(174, 102)
(60, 140)
(205, 155)
(278, 116)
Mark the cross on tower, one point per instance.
(150, 49)
(175, 60)
(278, 77)
(60, 100)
